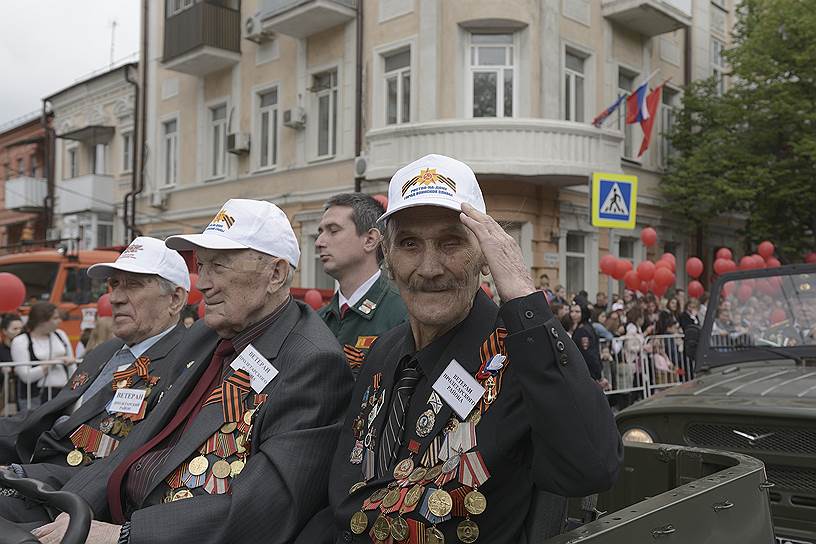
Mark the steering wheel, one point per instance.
(71, 504)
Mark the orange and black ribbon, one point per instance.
(354, 356)
(491, 380)
(230, 394)
(138, 368)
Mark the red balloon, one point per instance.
(195, 296)
(744, 292)
(664, 263)
(727, 289)
(724, 253)
(810, 258)
(382, 199)
(631, 280)
(622, 266)
(646, 270)
(12, 292)
(721, 266)
(669, 257)
(695, 289)
(766, 249)
(778, 315)
(313, 298)
(608, 264)
(746, 263)
(648, 236)
(644, 287)
(201, 310)
(694, 267)
(103, 306)
(660, 290)
(759, 262)
(663, 277)
(773, 262)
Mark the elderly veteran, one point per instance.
(239, 450)
(117, 384)
(459, 415)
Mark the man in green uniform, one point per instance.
(366, 304)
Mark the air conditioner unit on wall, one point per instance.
(253, 30)
(238, 143)
(294, 118)
(158, 199)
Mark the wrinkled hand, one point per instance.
(100, 533)
(502, 253)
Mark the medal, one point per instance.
(440, 503)
(356, 486)
(216, 485)
(356, 456)
(228, 428)
(403, 469)
(248, 416)
(417, 475)
(434, 536)
(475, 416)
(236, 467)
(475, 502)
(435, 402)
(412, 497)
(359, 522)
(473, 471)
(106, 425)
(433, 473)
(74, 458)
(180, 494)
(240, 444)
(391, 498)
(198, 465)
(192, 481)
(378, 495)
(467, 531)
(221, 469)
(399, 529)
(425, 423)
(451, 464)
(117, 427)
(381, 528)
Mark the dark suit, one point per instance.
(549, 428)
(285, 478)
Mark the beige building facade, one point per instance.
(258, 99)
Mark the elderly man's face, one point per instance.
(435, 261)
(140, 308)
(234, 284)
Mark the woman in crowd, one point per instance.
(579, 326)
(42, 341)
(10, 326)
(690, 315)
(673, 306)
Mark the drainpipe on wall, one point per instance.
(136, 134)
(358, 115)
(141, 121)
(48, 165)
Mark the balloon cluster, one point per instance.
(647, 277)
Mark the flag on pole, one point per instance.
(652, 104)
(636, 111)
(601, 117)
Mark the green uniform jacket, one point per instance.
(380, 309)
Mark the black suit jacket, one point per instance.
(285, 479)
(549, 428)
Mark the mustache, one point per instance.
(425, 286)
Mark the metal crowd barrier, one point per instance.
(9, 404)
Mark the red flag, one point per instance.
(652, 104)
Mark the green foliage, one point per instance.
(752, 151)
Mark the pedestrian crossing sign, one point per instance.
(614, 200)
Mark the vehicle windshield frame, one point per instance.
(708, 358)
(53, 272)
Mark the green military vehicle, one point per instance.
(754, 390)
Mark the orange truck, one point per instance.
(54, 276)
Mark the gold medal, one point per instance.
(434, 536)
(476, 416)
(236, 467)
(74, 458)
(413, 496)
(382, 528)
(198, 465)
(433, 473)
(417, 475)
(121, 384)
(440, 503)
(378, 495)
(391, 498)
(359, 522)
(181, 494)
(452, 425)
(248, 416)
(399, 529)
(221, 469)
(356, 487)
(425, 423)
(106, 425)
(117, 427)
(240, 443)
(467, 531)
(475, 503)
(403, 468)
(227, 428)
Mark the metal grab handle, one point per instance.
(724, 505)
(665, 530)
(766, 485)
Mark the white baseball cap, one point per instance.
(245, 224)
(147, 255)
(434, 180)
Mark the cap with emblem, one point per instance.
(147, 255)
(434, 180)
(245, 224)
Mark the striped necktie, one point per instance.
(121, 358)
(408, 377)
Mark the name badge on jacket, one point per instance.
(458, 389)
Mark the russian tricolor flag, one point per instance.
(636, 110)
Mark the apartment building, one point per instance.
(93, 122)
(260, 99)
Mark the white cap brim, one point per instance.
(182, 242)
(449, 204)
(101, 271)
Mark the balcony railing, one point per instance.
(25, 193)
(303, 18)
(202, 39)
(649, 17)
(92, 192)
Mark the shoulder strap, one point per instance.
(31, 356)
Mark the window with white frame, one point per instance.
(35, 167)
(268, 128)
(218, 140)
(104, 231)
(170, 152)
(626, 83)
(397, 87)
(127, 151)
(73, 163)
(576, 261)
(492, 75)
(324, 85)
(573, 87)
(718, 64)
(667, 113)
(100, 159)
(177, 6)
